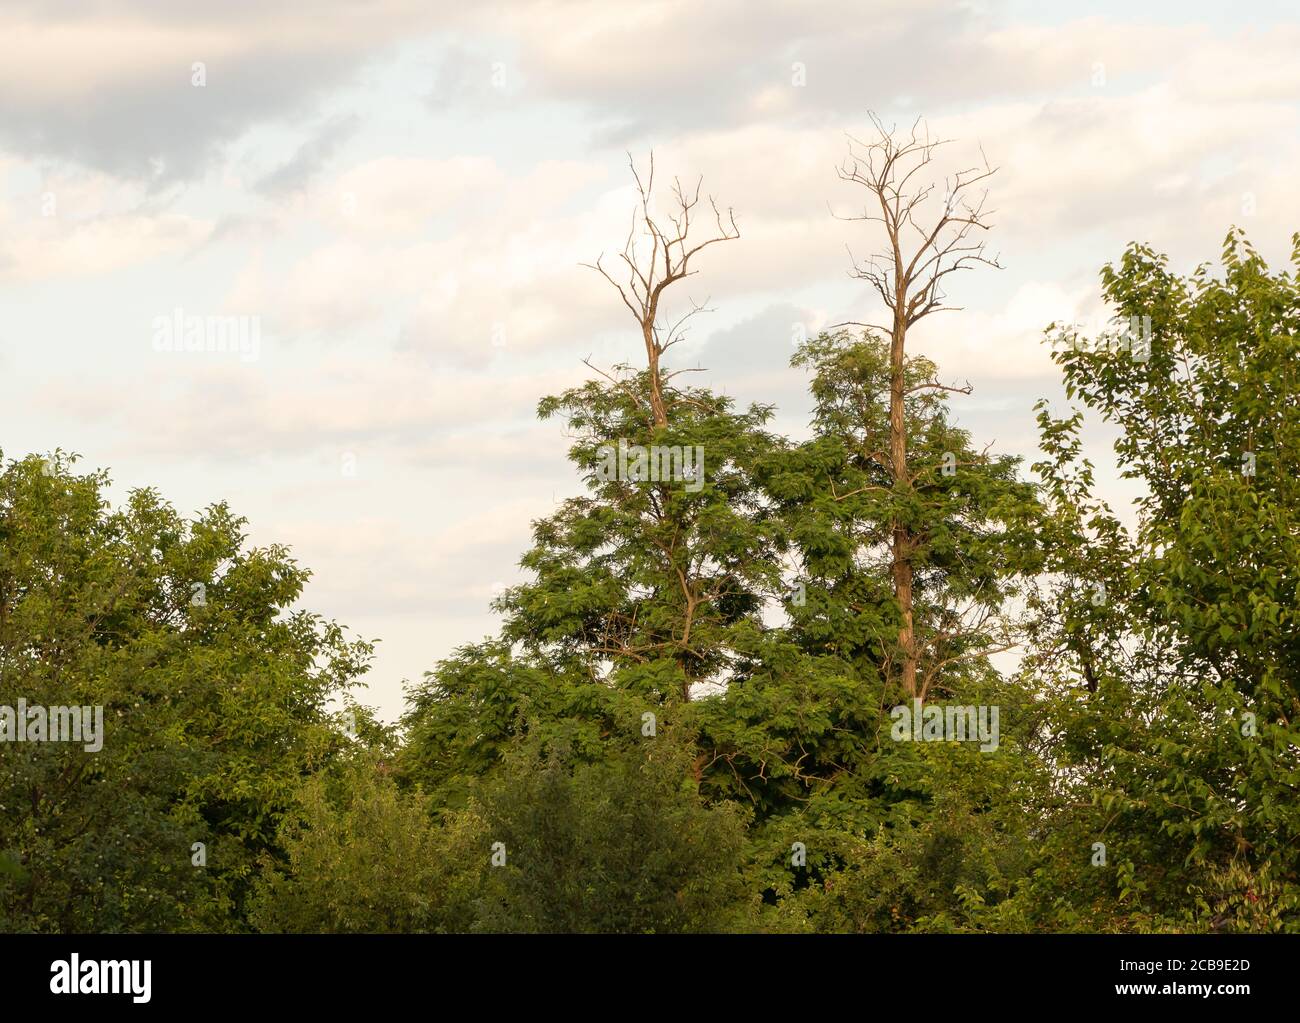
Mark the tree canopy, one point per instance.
(752, 682)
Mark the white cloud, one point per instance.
(390, 406)
(74, 224)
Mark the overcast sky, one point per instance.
(401, 192)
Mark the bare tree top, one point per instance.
(659, 250)
(919, 252)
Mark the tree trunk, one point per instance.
(657, 406)
(903, 542)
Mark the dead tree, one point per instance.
(662, 258)
(926, 238)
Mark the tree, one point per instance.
(363, 856)
(970, 521)
(1174, 688)
(642, 591)
(625, 845)
(803, 733)
(909, 276)
(645, 588)
(215, 696)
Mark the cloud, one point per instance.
(395, 196)
(310, 158)
(390, 565)
(469, 261)
(471, 77)
(112, 87)
(672, 67)
(78, 224)
(333, 290)
(1006, 343)
(386, 408)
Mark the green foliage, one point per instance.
(973, 520)
(654, 577)
(214, 693)
(626, 845)
(642, 591)
(361, 856)
(1181, 753)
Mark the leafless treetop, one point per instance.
(657, 254)
(919, 253)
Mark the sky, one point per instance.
(397, 197)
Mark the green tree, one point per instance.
(645, 592)
(215, 697)
(362, 856)
(970, 520)
(625, 845)
(1169, 648)
(804, 734)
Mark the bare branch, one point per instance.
(668, 261)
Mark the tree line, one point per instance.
(686, 719)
